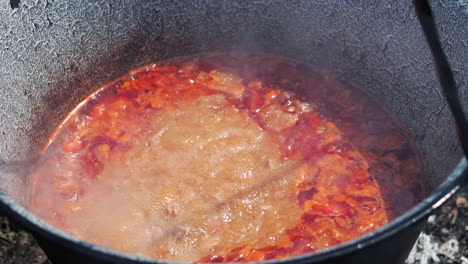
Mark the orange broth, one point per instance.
(226, 157)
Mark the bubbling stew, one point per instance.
(226, 157)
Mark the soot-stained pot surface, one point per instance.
(55, 53)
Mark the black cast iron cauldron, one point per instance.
(54, 53)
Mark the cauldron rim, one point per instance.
(454, 181)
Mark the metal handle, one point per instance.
(444, 72)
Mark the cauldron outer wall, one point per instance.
(55, 52)
(393, 250)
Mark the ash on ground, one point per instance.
(445, 236)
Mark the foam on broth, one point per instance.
(207, 177)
